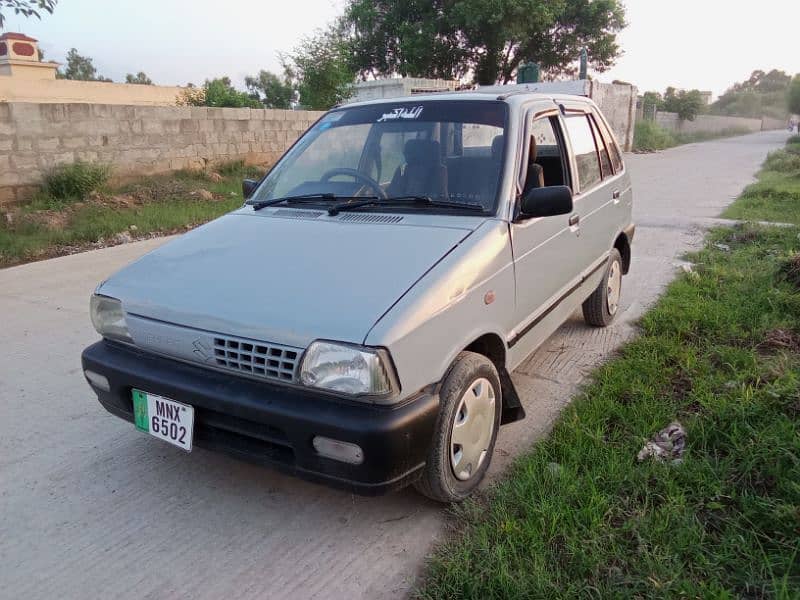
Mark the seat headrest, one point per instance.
(532, 153)
(497, 146)
(420, 152)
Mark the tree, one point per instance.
(270, 90)
(218, 93)
(140, 78)
(688, 104)
(453, 39)
(794, 95)
(80, 68)
(26, 8)
(762, 94)
(320, 69)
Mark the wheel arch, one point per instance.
(493, 347)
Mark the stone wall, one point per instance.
(20, 89)
(135, 140)
(707, 123)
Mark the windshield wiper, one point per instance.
(425, 201)
(302, 199)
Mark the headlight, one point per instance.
(351, 370)
(108, 318)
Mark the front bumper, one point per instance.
(274, 425)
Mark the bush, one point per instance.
(649, 137)
(76, 181)
(795, 139)
(783, 161)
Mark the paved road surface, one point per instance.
(89, 507)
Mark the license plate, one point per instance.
(163, 418)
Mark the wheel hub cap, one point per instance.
(614, 287)
(472, 429)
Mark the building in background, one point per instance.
(25, 78)
(400, 86)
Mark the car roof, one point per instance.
(511, 94)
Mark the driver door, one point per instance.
(545, 249)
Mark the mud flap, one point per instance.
(512, 406)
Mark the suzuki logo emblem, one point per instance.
(202, 350)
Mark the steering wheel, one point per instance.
(359, 176)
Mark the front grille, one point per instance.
(256, 358)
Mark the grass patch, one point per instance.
(76, 181)
(49, 226)
(776, 194)
(579, 516)
(648, 136)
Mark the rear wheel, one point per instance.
(602, 306)
(466, 430)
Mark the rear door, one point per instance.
(593, 189)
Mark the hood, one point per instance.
(283, 280)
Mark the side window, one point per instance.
(544, 154)
(585, 150)
(605, 162)
(611, 144)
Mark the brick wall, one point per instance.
(136, 140)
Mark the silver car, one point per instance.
(356, 321)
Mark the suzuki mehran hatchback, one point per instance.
(356, 320)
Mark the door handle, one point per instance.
(574, 220)
(615, 194)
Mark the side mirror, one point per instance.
(249, 187)
(546, 202)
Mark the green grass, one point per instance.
(579, 516)
(651, 137)
(776, 195)
(165, 204)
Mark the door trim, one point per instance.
(525, 330)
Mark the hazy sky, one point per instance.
(705, 44)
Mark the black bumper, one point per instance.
(274, 425)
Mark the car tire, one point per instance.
(600, 309)
(470, 402)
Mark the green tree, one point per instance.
(452, 39)
(688, 104)
(140, 78)
(80, 68)
(26, 8)
(794, 95)
(320, 69)
(221, 93)
(762, 94)
(270, 89)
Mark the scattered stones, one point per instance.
(665, 446)
(133, 228)
(723, 247)
(123, 237)
(9, 218)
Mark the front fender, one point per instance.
(468, 294)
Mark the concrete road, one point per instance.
(89, 507)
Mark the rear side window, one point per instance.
(580, 134)
(613, 149)
(605, 162)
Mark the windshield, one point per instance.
(448, 151)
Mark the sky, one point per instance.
(704, 44)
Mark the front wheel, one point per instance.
(470, 403)
(601, 307)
